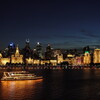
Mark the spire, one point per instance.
(17, 51)
(38, 43)
(27, 41)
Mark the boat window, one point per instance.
(7, 74)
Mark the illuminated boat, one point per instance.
(19, 75)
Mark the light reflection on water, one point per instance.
(55, 85)
(19, 89)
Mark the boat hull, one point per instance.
(35, 78)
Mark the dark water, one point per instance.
(56, 85)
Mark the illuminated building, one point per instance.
(59, 58)
(27, 52)
(96, 56)
(41, 62)
(0, 55)
(11, 49)
(52, 56)
(86, 49)
(29, 61)
(17, 58)
(39, 50)
(4, 61)
(53, 62)
(36, 61)
(49, 62)
(69, 58)
(87, 58)
(44, 62)
(56, 52)
(48, 53)
(78, 60)
(5, 53)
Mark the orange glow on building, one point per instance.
(87, 58)
(17, 58)
(29, 61)
(3, 61)
(96, 56)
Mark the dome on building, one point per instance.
(70, 55)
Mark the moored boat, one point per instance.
(19, 75)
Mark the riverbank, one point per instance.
(17, 68)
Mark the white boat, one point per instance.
(19, 75)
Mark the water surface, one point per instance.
(56, 85)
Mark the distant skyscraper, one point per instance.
(27, 42)
(48, 53)
(27, 52)
(48, 48)
(39, 50)
(11, 49)
(5, 53)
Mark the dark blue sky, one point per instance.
(64, 24)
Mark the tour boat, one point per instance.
(19, 75)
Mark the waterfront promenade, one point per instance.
(9, 68)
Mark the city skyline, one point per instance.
(43, 46)
(64, 24)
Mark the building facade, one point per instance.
(87, 58)
(96, 56)
(17, 58)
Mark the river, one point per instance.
(71, 84)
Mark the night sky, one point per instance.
(64, 24)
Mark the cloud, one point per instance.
(82, 30)
(69, 36)
(94, 46)
(69, 44)
(92, 35)
(89, 33)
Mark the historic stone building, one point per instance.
(17, 58)
(87, 58)
(59, 58)
(96, 56)
(4, 61)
